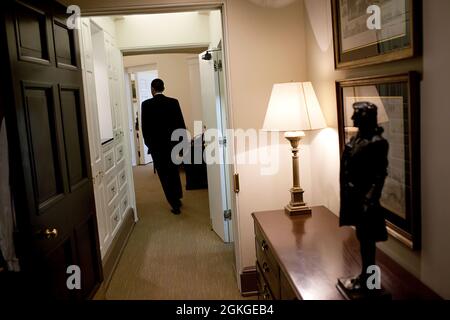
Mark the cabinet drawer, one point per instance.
(124, 204)
(115, 220)
(110, 162)
(122, 179)
(119, 153)
(268, 266)
(112, 190)
(263, 288)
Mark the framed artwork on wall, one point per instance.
(356, 45)
(398, 101)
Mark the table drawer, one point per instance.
(263, 288)
(268, 266)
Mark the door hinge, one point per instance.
(227, 214)
(236, 183)
(223, 141)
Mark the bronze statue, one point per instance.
(363, 172)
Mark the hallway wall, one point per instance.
(266, 46)
(163, 30)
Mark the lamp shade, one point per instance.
(293, 107)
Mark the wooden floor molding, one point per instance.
(114, 253)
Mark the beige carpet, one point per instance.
(173, 257)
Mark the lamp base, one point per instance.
(297, 206)
(297, 211)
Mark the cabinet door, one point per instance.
(95, 147)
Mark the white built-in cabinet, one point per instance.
(110, 161)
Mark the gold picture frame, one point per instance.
(355, 45)
(398, 100)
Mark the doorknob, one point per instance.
(50, 233)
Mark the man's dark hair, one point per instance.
(158, 85)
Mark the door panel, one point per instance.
(73, 136)
(52, 185)
(41, 119)
(31, 28)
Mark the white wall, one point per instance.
(162, 30)
(435, 156)
(215, 28)
(433, 262)
(266, 46)
(174, 70)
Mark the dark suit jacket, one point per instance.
(161, 115)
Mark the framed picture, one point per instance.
(356, 45)
(398, 101)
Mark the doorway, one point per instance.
(138, 80)
(127, 93)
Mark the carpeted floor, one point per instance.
(173, 257)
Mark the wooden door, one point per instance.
(52, 181)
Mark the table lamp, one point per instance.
(293, 109)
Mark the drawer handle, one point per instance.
(116, 218)
(266, 268)
(113, 189)
(264, 246)
(266, 294)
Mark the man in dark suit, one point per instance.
(161, 116)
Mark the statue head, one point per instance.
(365, 116)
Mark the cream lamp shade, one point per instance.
(293, 107)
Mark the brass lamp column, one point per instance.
(294, 108)
(297, 206)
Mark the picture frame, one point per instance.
(355, 45)
(398, 101)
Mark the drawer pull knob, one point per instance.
(266, 268)
(264, 246)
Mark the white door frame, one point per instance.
(221, 5)
(135, 70)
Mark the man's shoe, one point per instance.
(176, 211)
